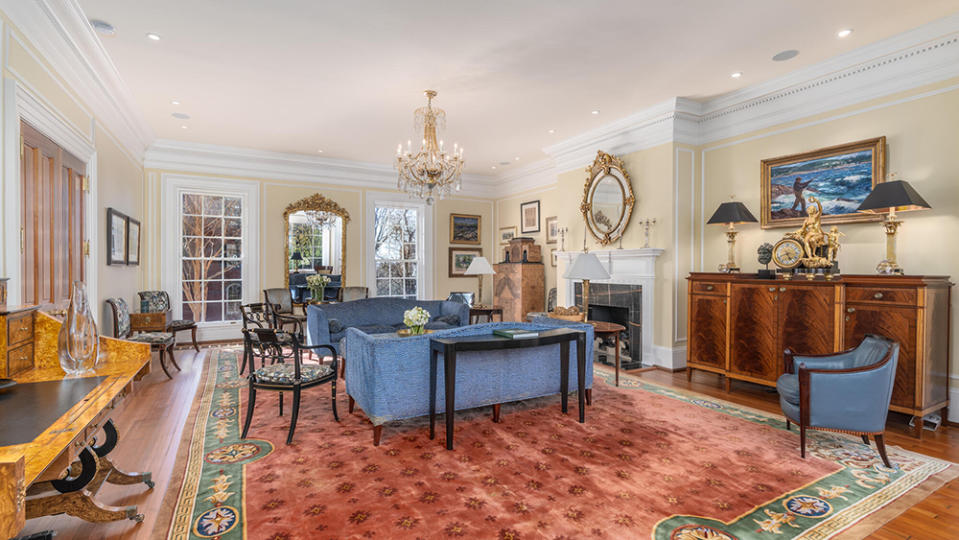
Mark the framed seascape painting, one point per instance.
(465, 229)
(552, 230)
(529, 217)
(133, 241)
(838, 177)
(506, 234)
(116, 237)
(460, 259)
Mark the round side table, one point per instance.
(607, 329)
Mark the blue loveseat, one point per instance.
(328, 323)
(388, 376)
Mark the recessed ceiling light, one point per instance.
(181, 116)
(552, 131)
(174, 102)
(154, 37)
(736, 75)
(844, 32)
(786, 55)
(183, 126)
(103, 28)
(516, 158)
(319, 151)
(493, 167)
(595, 111)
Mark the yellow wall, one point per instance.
(922, 142)
(275, 195)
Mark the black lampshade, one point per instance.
(296, 256)
(732, 212)
(896, 195)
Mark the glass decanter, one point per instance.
(78, 339)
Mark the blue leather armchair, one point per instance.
(847, 392)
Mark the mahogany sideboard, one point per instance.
(739, 326)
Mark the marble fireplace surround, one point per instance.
(627, 267)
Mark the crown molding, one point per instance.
(60, 33)
(214, 159)
(537, 175)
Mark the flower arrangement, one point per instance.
(316, 283)
(415, 319)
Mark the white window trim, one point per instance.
(425, 249)
(172, 186)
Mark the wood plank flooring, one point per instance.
(152, 420)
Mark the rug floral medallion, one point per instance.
(650, 462)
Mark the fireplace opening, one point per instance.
(620, 304)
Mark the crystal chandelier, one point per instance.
(431, 170)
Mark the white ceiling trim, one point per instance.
(909, 60)
(262, 164)
(61, 34)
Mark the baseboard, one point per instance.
(670, 358)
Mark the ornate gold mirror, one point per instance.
(607, 198)
(315, 229)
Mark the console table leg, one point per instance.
(581, 374)
(433, 354)
(449, 371)
(564, 375)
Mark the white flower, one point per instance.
(318, 280)
(416, 317)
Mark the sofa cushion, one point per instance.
(439, 325)
(336, 326)
(375, 329)
(788, 387)
(448, 320)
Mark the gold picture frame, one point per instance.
(839, 176)
(466, 229)
(507, 233)
(460, 259)
(315, 203)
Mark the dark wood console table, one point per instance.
(449, 347)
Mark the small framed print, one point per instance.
(116, 237)
(133, 242)
(506, 234)
(529, 217)
(552, 230)
(465, 229)
(460, 259)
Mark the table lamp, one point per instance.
(731, 213)
(891, 197)
(479, 267)
(297, 257)
(586, 267)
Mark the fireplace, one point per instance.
(620, 304)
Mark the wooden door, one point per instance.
(754, 332)
(895, 323)
(707, 331)
(807, 317)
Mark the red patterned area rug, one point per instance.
(650, 461)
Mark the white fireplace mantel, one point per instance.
(625, 266)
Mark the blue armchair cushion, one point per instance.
(336, 326)
(449, 320)
(788, 387)
(283, 373)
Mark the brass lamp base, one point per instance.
(889, 266)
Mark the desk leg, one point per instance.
(432, 394)
(581, 374)
(449, 370)
(564, 374)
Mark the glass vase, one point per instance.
(417, 330)
(78, 339)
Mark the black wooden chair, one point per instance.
(286, 373)
(257, 315)
(158, 341)
(280, 303)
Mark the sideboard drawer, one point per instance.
(20, 328)
(885, 295)
(706, 287)
(19, 359)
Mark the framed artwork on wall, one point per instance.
(506, 234)
(838, 177)
(133, 241)
(552, 230)
(460, 259)
(465, 229)
(529, 217)
(116, 237)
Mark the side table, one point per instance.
(485, 311)
(605, 329)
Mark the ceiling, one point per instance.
(344, 77)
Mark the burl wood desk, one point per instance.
(60, 470)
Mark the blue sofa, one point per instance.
(328, 323)
(388, 376)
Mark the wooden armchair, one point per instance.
(158, 341)
(159, 301)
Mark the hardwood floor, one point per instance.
(152, 420)
(936, 517)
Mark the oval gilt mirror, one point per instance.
(607, 199)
